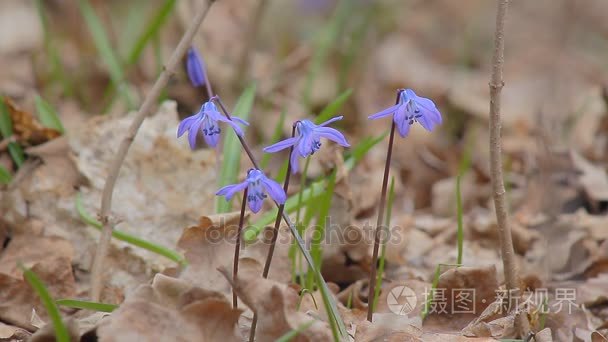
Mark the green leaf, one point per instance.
(231, 164)
(154, 26)
(81, 304)
(460, 232)
(326, 40)
(5, 176)
(106, 52)
(324, 205)
(61, 332)
(47, 115)
(16, 152)
(128, 238)
(332, 109)
(429, 299)
(278, 130)
(295, 332)
(6, 124)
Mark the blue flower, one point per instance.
(206, 122)
(257, 185)
(195, 68)
(308, 140)
(411, 108)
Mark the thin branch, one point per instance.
(504, 231)
(144, 111)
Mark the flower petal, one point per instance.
(230, 190)
(274, 190)
(293, 160)
(281, 145)
(383, 113)
(195, 68)
(185, 124)
(253, 199)
(305, 145)
(429, 106)
(240, 121)
(333, 135)
(233, 124)
(403, 125)
(331, 120)
(193, 132)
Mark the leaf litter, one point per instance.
(554, 135)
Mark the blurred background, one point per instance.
(90, 62)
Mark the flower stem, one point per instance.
(377, 233)
(332, 308)
(504, 230)
(275, 234)
(144, 111)
(237, 247)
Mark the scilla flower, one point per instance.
(195, 68)
(411, 108)
(257, 185)
(206, 121)
(308, 140)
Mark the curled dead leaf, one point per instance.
(173, 310)
(275, 304)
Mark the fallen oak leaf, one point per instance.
(171, 309)
(275, 305)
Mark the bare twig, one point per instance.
(504, 231)
(144, 111)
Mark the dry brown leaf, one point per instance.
(280, 268)
(50, 257)
(389, 327)
(465, 293)
(47, 332)
(207, 247)
(173, 310)
(275, 304)
(12, 333)
(26, 128)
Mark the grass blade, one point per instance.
(332, 109)
(47, 115)
(460, 232)
(389, 211)
(151, 31)
(6, 124)
(315, 249)
(106, 52)
(61, 332)
(278, 130)
(327, 39)
(295, 332)
(5, 176)
(128, 238)
(81, 304)
(231, 164)
(6, 129)
(429, 300)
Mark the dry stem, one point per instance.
(144, 111)
(504, 231)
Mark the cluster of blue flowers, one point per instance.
(410, 108)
